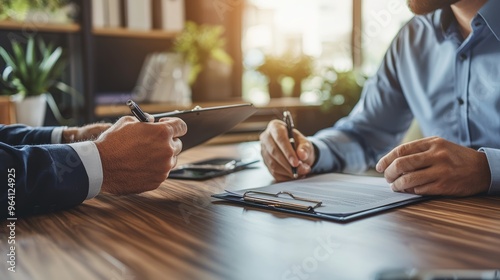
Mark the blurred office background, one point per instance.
(308, 55)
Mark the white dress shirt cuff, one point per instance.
(89, 155)
(56, 135)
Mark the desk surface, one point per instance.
(178, 232)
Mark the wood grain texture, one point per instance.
(179, 232)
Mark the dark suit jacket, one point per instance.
(46, 177)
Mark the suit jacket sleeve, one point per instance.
(46, 177)
(25, 135)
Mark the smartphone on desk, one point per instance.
(210, 168)
(439, 274)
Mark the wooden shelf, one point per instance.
(130, 33)
(42, 27)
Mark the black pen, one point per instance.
(287, 117)
(136, 110)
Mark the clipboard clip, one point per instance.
(275, 203)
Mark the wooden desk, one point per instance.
(178, 232)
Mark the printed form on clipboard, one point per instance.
(333, 196)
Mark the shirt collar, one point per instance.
(446, 20)
(489, 12)
(448, 23)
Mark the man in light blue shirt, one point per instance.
(443, 69)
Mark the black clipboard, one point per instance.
(288, 197)
(206, 123)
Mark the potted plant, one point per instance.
(30, 76)
(33, 11)
(274, 68)
(202, 47)
(299, 68)
(342, 89)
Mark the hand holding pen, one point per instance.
(279, 155)
(287, 118)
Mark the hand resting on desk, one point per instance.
(434, 166)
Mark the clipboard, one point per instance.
(206, 123)
(315, 197)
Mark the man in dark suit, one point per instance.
(46, 169)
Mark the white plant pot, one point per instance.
(31, 110)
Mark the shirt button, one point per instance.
(463, 56)
(477, 23)
(460, 101)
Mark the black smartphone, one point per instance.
(210, 168)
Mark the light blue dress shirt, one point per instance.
(451, 86)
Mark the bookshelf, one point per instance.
(104, 60)
(36, 26)
(131, 33)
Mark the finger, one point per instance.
(303, 169)
(176, 146)
(276, 161)
(127, 119)
(305, 149)
(278, 173)
(280, 136)
(409, 181)
(406, 164)
(412, 191)
(150, 117)
(178, 127)
(410, 148)
(428, 189)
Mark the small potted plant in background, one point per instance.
(299, 68)
(39, 11)
(342, 89)
(275, 68)
(30, 76)
(202, 47)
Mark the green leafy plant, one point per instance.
(276, 67)
(32, 72)
(17, 9)
(200, 43)
(342, 89)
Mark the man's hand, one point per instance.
(84, 133)
(434, 166)
(138, 156)
(279, 155)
